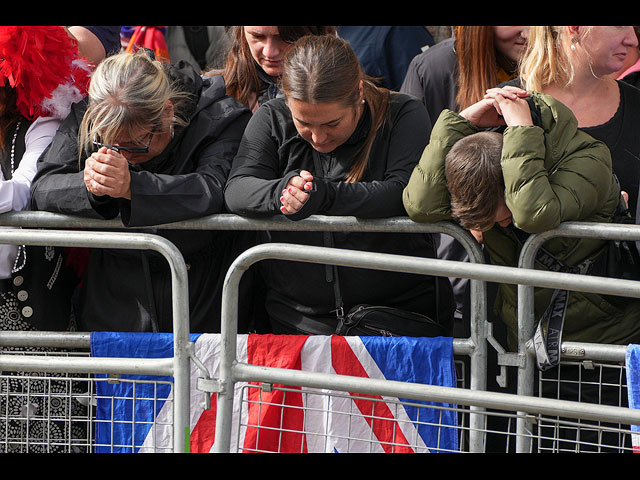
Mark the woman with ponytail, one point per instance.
(336, 144)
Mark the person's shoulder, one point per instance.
(399, 100)
(441, 52)
(630, 92)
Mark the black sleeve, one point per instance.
(58, 185)
(255, 182)
(160, 198)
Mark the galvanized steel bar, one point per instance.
(432, 393)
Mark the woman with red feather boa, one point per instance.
(41, 75)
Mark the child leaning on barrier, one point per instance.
(539, 172)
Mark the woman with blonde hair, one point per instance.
(574, 65)
(336, 144)
(152, 144)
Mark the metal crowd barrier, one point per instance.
(475, 398)
(232, 371)
(178, 367)
(526, 323)
(475, 346)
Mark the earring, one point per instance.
(574, 40)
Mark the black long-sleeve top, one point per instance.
(272, 151)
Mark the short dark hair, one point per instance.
(474, 179)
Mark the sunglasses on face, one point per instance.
(124, 148)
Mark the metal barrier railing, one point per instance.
(232, 371)
(178, 366)
(602, 285)
(480, 332)
(476, 271)
(475, 346)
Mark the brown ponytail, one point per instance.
(325, 69)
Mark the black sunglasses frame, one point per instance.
(124, 148)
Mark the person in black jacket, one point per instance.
(335, 145)
(152, 144)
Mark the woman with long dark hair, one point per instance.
(336, 144)
(254, 63)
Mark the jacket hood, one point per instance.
(207, 90)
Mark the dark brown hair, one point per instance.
(241, 71)
(474, 179)
(325, 69)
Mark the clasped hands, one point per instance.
(499, 107)
(296, 193)
(106, 172)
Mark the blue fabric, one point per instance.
(141, 400)
(386, 51)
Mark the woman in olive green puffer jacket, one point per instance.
(553, 172)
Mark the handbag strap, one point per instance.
(331, 270)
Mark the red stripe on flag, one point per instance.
(276, 418)
(203, 434)
(377, 414)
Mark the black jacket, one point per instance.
(130, 290)
(272, 151)
(432, 77)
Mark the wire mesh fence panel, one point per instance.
(68, 413)
(599, 383)
(297, 420)
(44, 412)
(133, 417)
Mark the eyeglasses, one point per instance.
(124, 148)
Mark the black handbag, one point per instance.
(368, 320)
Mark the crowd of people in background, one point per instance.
(506, 130)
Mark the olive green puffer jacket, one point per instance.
(553, 173)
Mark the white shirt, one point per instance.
(15, 193)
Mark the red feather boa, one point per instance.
(43, 66)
